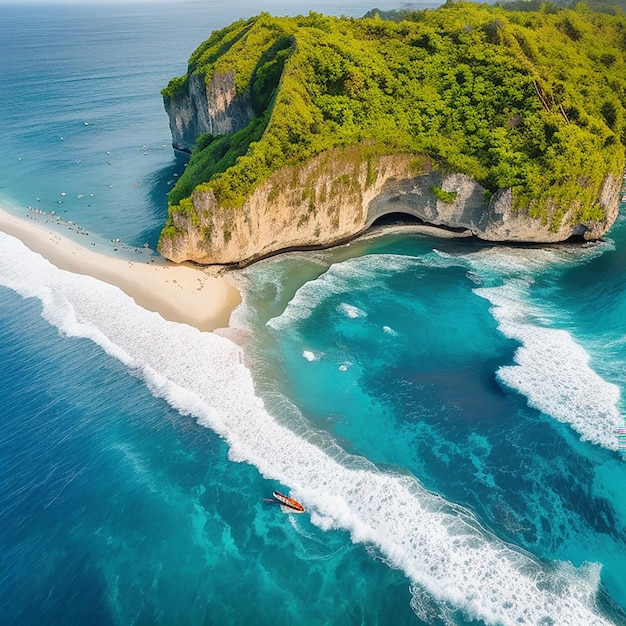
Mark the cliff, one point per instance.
(333, 198)
(305, 130)
(319, 203)
(199, 108)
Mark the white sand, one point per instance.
(180, 293)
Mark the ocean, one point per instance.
(446, 410)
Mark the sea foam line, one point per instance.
(552, 370)
(440, 547)
(341, 278)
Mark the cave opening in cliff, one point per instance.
(400, 219)
(397, 219)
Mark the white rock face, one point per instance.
(215, 108)
(317, 204)
(338, 194)
(415, 196)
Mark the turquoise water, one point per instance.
(446, 411)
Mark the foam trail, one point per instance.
(552, 370)
(351, 311)
(440, 547)
(340, 278)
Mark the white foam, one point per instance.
(551, 369)
(345, 278)
(351, 311)
(309, 355)
(440, 547)
(499, 262)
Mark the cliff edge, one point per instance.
(304, 131)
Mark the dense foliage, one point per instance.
(532, 100)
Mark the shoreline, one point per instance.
(202, 297)
(199, 297)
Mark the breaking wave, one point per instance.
(440, 546)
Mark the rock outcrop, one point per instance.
(198, 108)
(494, 220)
(340, 193)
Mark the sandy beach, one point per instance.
(179, 293)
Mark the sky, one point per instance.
(83, 2)
(207, 2)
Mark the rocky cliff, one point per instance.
(342, 192)
(493, 219)
(310, 128)
(199, 108)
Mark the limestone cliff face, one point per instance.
(340, 193)
(499, 223)
(495, 220)
(199, 108)
(317, 204)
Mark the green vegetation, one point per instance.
(445, 196)
(613, 7)
(528, 99)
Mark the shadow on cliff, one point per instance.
(160, 184)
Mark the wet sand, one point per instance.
(200, 297)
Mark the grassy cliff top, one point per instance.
(533, 100)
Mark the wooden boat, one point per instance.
(292, 505)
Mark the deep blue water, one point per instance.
(446, 411)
